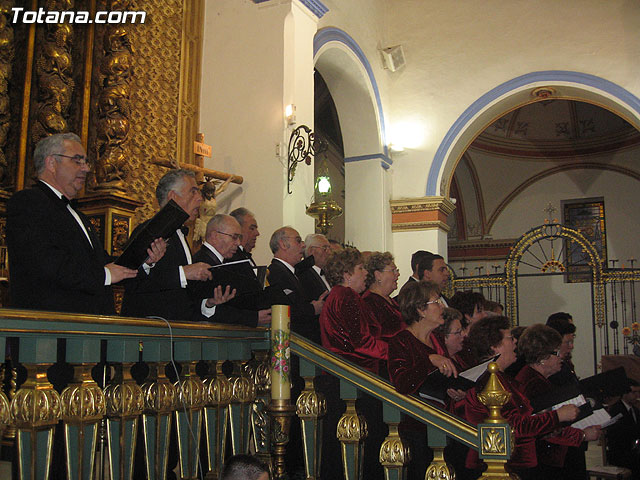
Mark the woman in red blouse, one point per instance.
(382, 279)
(347, 326)
(539, 346)
(488, 337)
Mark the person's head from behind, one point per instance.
(470, 303)
(244, 467)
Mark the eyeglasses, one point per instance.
(394, 270)
(326, 248)
(556, 353)
(79, 160)
(456, 332)
(297, 239)
(439, 300)
(235, 236)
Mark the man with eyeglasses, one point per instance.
(57, 259)
(170, 289)
(287, 247)
(222, 238)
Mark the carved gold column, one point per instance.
(124, 405)
(351, 432)
(114, 104)
(83, 407)
(281, 412)
(35, 409)
(7, 51)
(54, 73)
(260, 373)
(160, 400)
(191, 400)
(496, 438)
(395, 455)
(311, 407)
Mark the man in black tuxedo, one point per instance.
(287, 247)
(167, 289)
(415, 260)
(314, 283)
(623, 437)
(57, 260)
(250, 233)
(222, 239)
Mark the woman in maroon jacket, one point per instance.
(347, 326)
(539, 346)
(488, 337)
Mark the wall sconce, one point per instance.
(290, 114)
(302, 147)
(324, 208)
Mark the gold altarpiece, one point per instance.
(130, 91)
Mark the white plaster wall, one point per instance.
(257, 58)
(457, 51)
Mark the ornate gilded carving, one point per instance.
(159, 396)
(191, 391)
(393, 451)
(218, 391)
(36, 404)
(439, 469)
(124, 399)
(311, 404)
(243, 390)
(54, 71)
(352, 427)
(7, 51)
(260, 424)
(114, 105)
(281, 412)
(119, 233)
(83, 402)
(5, 413)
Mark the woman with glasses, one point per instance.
(539, 346)
(381, 281)
(414, 353)
(487, 338)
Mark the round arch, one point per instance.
(350, 79)
(515, 93)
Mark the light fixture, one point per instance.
(324, 208)
(290, 114)
(302, 147)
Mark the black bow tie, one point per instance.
(322, 272)
(73, 202)
(184, 230)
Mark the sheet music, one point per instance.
(598, 417)
(474, 373)
(577, 401)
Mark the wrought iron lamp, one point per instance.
(323, 208)
(302, 147)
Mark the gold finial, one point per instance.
(494, 395)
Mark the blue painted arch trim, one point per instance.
(481, 103)
(332, 34)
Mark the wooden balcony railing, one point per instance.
(189, 382)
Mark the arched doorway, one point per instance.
(349, 78)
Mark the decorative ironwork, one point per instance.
(303, 146)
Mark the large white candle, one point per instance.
(280, 352)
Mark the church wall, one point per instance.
(249, 54)
(457, 51)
